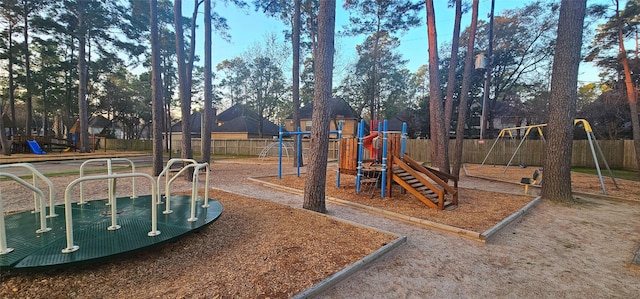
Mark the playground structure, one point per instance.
(40, 145)
(102, 228)
(298, 134)
(593, 145)
(287, 149)
(390, 164)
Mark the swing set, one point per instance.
(593, 144)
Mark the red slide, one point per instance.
(368, 144)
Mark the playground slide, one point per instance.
(35, 147)
(368, 144)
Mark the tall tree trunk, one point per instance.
(69, 121)
(631, 92)
(453, 62)
(486, 119)
(314, 189)
(564, 94)
(6, 145)
(373, 86)
(192, 45)
(435, 97)
(451, 81)
(82, 84)
(295, 44)
(45, 126)
(208, 88)
(167, 102)
(27, 68)
(464, 91)
(12, 88)
(185, 94)
(157, 99)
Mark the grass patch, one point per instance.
(619, 174)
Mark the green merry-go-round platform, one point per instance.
(93, 233)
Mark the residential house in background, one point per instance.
(341, 112)
(237, 122)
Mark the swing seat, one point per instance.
(535, 179)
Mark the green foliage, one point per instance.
(371, 16)
(256, 80)
(380, 70)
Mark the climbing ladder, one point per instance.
(427, 184)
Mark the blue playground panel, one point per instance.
(90, 222)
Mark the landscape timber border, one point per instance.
(476, 236)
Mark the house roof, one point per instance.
(246, 124)
(98, 121)
(235, 111)
(242, 123)
(339, 107)
(195, 119)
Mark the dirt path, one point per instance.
(579, 251)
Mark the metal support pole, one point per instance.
(360, 152)
(514, 153)
(385, 137)
(280, 153)
(378, 158)
(595, 160)
(403, 142)
(338, 168)
(299, 140)
(604, 159)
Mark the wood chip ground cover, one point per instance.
(478, 210)
(579, 181)
(256, 249)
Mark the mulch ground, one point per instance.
(256, 249)
(579, 181)
(477, 210)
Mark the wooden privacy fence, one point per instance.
(619, 153)
(252, 147)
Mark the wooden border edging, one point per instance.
(346, 272)
(443, 227)
(430, 224)
(341, 275)
(502, 224)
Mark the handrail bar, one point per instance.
(206, 184)
(194, 189)
(109, 171)
(428, 173)
(68, 212)
(43, 212)
(34, 173)
(167, 194)
(415, 173)
(166, 169)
